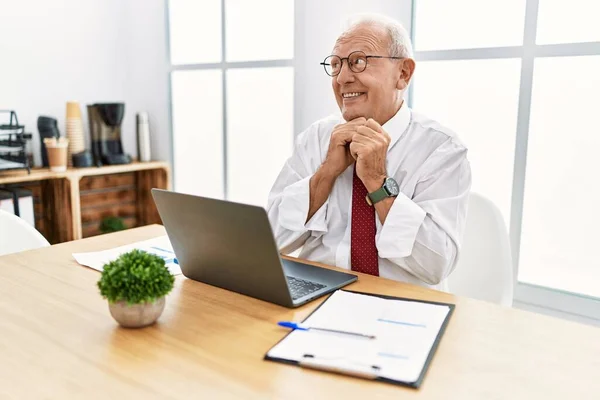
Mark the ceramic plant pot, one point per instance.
(136, 315)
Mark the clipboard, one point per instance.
(358, 368)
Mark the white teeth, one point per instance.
(348, 95)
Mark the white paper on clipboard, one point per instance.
(405, 334)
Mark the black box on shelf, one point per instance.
(13, 143)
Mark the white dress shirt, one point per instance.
(420, 239)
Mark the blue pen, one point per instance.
(300, 327)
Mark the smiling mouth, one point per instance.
(352, 95)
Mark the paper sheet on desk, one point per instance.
(161, 246)
(405, 333)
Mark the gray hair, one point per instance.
(400, 44)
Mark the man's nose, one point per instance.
(346, 75)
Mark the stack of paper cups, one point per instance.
(74, 130)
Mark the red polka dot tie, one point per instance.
(363, 252)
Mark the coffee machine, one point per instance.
(105, 129)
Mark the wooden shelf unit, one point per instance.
(71, 205)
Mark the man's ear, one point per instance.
(407, 69)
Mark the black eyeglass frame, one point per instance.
(326, 64)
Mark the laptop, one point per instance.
(231, 246)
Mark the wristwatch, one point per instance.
(389, 188)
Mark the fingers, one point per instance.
(358, 121)
(342, 133)
(367, 137)
(352, 125)
(342, 136)
(356, 149)
(362, 146)
(367, 142)
(360, 128)
(371, 123)
(367, 132)
(364, 138)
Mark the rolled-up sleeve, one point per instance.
(422, 235)
(289, 199)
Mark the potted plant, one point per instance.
(135, 285)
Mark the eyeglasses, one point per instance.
(357, 62)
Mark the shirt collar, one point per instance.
(396, 126)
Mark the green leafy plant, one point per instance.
(135, 277)
(112, 224)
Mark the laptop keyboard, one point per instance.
(300, 287)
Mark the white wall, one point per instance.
(54, 51)
(318, 23)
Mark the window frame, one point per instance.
(224, 66)
(527, 296)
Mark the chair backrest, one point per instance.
(484, 270)
(17, 235)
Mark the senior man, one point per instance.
(379, 189)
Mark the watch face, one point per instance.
(391, 186)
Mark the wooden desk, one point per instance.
(57, 340)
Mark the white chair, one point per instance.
(17, 235)
(484, 270)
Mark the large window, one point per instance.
(231, 95)
(518, 80)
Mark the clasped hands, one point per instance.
(364, 142)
